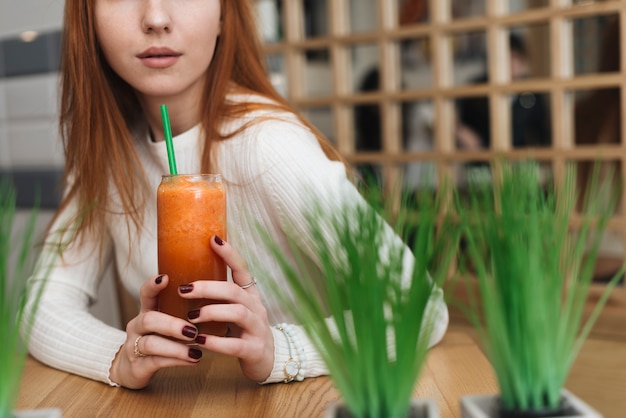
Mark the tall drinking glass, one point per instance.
(190, 210)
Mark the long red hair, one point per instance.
(99, 110)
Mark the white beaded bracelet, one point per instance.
(294, 368)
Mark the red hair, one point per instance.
(99, 109)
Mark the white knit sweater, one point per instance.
(270, 171)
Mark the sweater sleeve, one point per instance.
(296, 169)
(64, 334)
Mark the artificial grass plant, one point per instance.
(12, 297)
(533, 273)
(363, 306)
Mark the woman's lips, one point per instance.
(158, 57)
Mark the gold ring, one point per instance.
(252, 283)
(136, 350)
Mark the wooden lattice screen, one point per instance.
(425, 52)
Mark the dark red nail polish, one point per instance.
(194, 353)
(219, 241)
(185, 288)
(193, 314)
(200, 339)
(159, 279)
(190, 332)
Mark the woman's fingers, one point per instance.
(232, 305)
(157, 346)
(149, 292)
(144, 355)
(156, 340)
(237, 314)
(252, 342)
(255, 352)
(237, 264)
(153, 322)
(219, 291)
(251, 338)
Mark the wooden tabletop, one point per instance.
(218, 389)
(456, 367)
(599, 376)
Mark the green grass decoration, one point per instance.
(533, 275)
(15, 291)
(12, 297)
(361, 285)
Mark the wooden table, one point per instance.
(218, 389)
(599, 376)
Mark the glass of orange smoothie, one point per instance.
(190, 210)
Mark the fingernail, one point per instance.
(193, 314)
(190, 332)
(159, 279)
(200, 339)
(194, 353)
(185, 288)
(219, 241)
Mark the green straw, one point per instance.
(167, 130)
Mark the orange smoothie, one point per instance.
(190, 210)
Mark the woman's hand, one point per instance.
(150, 344)
(147, 348)
(250, 337)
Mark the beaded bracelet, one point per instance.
(294, 369)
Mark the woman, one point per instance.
(121, 61)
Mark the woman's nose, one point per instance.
(156, 17)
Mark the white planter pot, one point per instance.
(485, 406)
(420, 408)
(38, 413)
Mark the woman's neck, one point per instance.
(183, 115)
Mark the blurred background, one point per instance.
(31, 154)
(410, 91)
